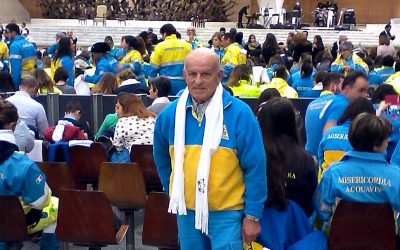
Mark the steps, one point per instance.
(43, 32)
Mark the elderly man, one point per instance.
(208, 144)
(192, 38)
(347, 60)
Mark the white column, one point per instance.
(13, 9)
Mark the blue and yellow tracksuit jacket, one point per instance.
(134, 60)
(167, 60)
(233, 57)
(313, 123)
(333, 146)
(245, 89)
(22, 58)
(105, 64)
(196, 43)
(354, 61)
(67, 63)
(220, 52)
(385, 72)
(237, 177)
(359, 177)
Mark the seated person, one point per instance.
(130, 84)
(304, 84)
(362, 175)
(45, 83)
(279, 83)
(335, 143)
(107, 128)
(159, 89)
(135, 124)
(106, 86)
(29, 110)
(21, 177)
(73, 112)
(60, 79)
(240, 83)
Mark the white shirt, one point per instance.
(30, 111)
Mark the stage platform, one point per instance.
(43, 31)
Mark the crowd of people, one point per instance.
(233, 176)
(154, 10)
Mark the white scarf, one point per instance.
(211, 140)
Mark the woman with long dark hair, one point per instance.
(63, 58)
(291, 171)
(317, 49)
(269, 47)
(133, 57)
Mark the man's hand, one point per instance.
(250, 230)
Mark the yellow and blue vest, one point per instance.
(167, 60)
(22, 58)
(354, 61)
(233, 57)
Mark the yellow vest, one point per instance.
(282, 86)
(245, 89)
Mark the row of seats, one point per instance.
(124, 185)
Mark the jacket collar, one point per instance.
(231, 46)
(171, 37)
(370, 156)
(226, 100)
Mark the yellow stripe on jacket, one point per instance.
(330, 156)
(225, 184)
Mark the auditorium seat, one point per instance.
(159, 227)
(85, 163)
(143, 156)
(58, 176)
(364, 226)
(124, 186)
(12, 220)
(101, 12)
(85, 218)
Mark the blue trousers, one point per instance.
(47, 242)
(224, 231)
